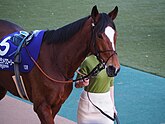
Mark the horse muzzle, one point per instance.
(112, 71)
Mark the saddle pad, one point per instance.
(7, 48)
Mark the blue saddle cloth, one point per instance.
(7, 48)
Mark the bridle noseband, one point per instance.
(105, 51)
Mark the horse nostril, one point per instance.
(100, 36)
(112, 71)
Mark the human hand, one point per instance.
(82, 83)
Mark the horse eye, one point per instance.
(100, 36)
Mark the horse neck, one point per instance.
(69, 55)
(77, 52)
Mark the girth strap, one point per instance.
(17, 78)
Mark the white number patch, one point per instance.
(110, 34)
(6, 45)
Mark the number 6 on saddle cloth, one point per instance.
(14, 55)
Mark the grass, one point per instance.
(140, 25)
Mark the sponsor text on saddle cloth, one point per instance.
(8, 49)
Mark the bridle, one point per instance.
(99, 52)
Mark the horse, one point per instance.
(62, 50)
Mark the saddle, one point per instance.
(20, 40)
(23, 36)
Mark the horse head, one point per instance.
(104, 40)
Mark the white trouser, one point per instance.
(88, 114)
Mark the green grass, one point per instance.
(140, 25)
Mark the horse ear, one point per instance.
(113, 13)
(94, 13)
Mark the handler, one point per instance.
(100, 90)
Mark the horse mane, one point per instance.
(64, 33)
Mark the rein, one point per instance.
(102, 112)
(94, 72)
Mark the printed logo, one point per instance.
(5, 63)
(26, 67)
(4, 46)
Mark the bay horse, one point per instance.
(49, 83)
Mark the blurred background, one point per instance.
(140, 24)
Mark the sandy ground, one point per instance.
(13, 111)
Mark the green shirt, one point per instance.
(97, 84)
